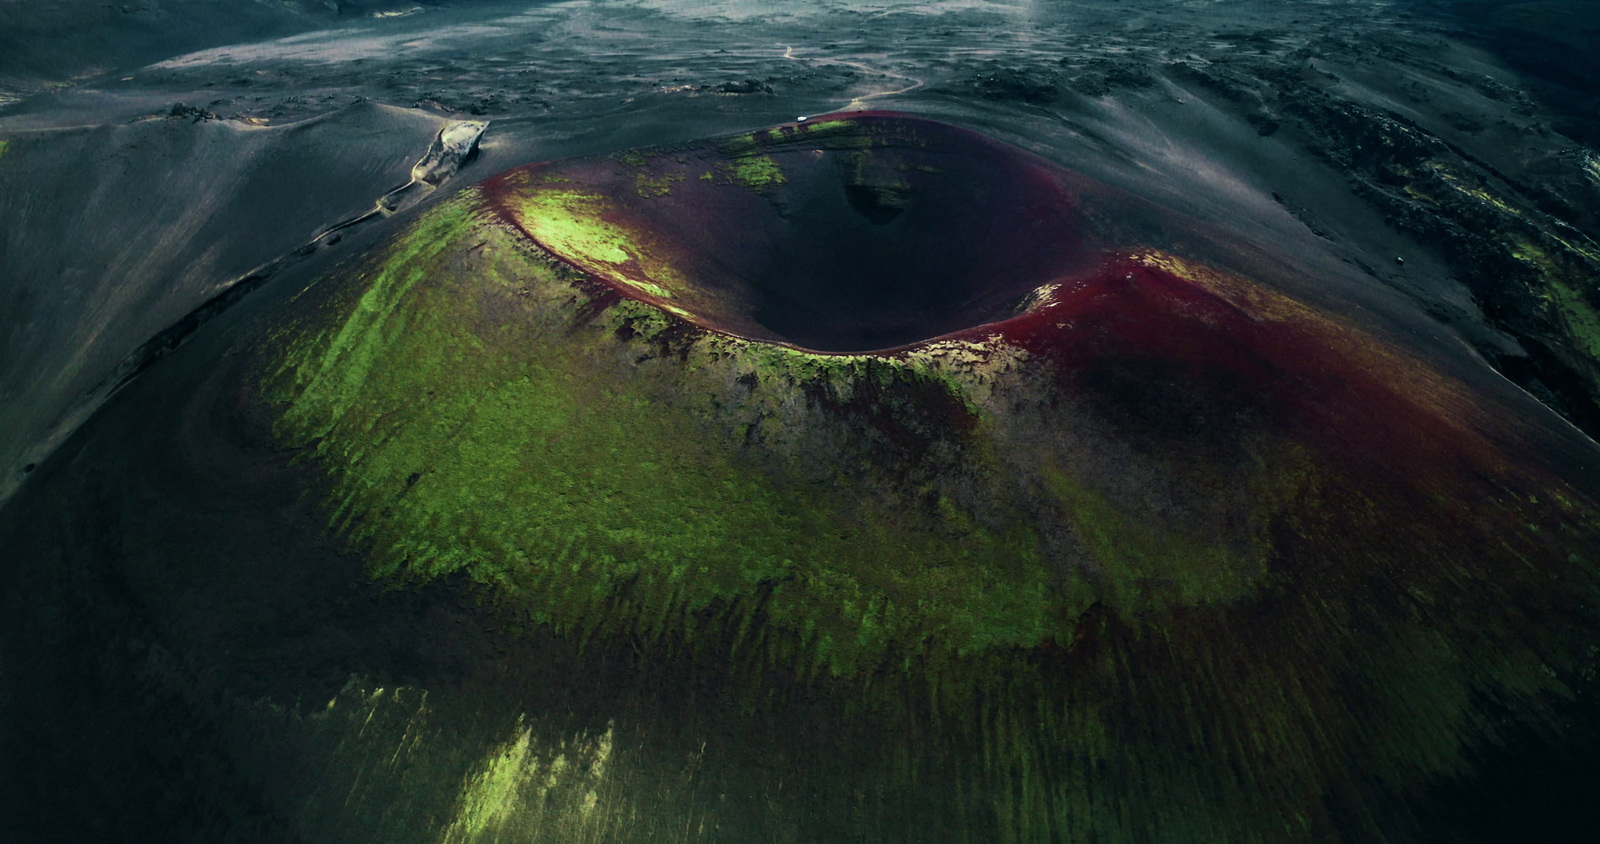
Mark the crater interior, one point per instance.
(848, 233)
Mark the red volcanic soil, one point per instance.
(1151, 346)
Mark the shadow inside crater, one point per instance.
(856, 233)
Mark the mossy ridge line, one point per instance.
(839, 133)
(748, 161)
(958, 367)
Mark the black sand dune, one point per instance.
(116, 230)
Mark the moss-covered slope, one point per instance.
(1159, 554)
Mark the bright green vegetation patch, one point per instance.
(757, 172)
(522, 790)
(1580, 317)
(648, 186)
(1572, 307)
(573, 225)
(4, 145)
(647, 287)
(469, 429)
(828, 126)
(740, 145)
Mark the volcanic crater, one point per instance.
(853, 233)
(1103, 517)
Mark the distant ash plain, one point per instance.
(837, 421)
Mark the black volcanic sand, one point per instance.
(186, 654)
(134, 226)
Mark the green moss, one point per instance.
(1581, 319)
(4, 145)
(647, 186)
(1533, 245)
(492, 796)
(476, 417)
(1144, 565)
(741, 145)
(755, 172)
(840, 373)
(1574, 310)
(534, 465)
(331, 375)
(520, 793)
(651, 288)
(574, 225)
(828, 126)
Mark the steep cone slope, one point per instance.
(989, 504)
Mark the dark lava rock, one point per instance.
(747, 86)
(1524, 248)
(1265, 124)
(196, 113)
(1102, 76)
(1028, 85)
